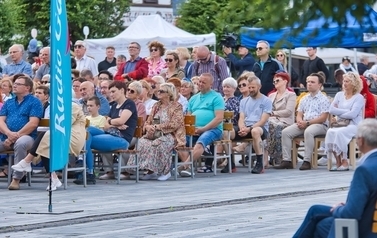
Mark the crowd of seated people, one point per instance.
(160, 90)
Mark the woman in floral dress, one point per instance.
(155, 153)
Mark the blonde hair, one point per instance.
(183, 52)
(170, 90)
(355, 81)
(285, 59)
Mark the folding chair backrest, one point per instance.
(190, 124)
(228, 116)
(139, 128)
(44, 122)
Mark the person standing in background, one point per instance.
(312, 65)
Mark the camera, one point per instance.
(229, 40)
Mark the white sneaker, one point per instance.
(164, 177)
(22, 166)
(322, 161)
(55, 183)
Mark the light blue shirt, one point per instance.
(253, 109)
(21, 67)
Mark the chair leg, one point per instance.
(315, 154)
(84, 170)
(230, 159)
(119, 167)
(191, 155)
(329, 160)
(250, 145)
(65, 176)
(137, 168)
(215, 160)
(28, 174)
(352, 153)
(294, 154)
(10, 163)
(176, 166)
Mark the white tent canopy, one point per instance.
(332, 55)
(144, 30)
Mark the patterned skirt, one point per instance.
(274, 147)
(155, 155)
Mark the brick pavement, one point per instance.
(279, 198)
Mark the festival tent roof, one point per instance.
(144, 30)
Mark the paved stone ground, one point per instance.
(272, 204)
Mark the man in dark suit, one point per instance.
(362, 195)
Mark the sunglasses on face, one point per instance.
(153, 49)
(259, 48)
(241, 85)
(161, 91)
(79, 46)
(131, 91)
(276, 81)
(279, 55)
(44, 82)
(168, 60)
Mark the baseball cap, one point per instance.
(80, 42)
(240, 45)
(32, 47)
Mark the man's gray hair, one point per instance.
(265, 42)
(367, 129)
(255, 79)
(20, 46)
(230, 82)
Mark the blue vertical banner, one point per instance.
(61, 86)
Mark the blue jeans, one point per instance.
(99, 140)
(317, 223)
(206, 138)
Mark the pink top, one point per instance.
(157, 70)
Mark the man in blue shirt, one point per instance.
(18, 65)
(19, 119)
(87, 91)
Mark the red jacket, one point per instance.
(140, 72)
(370, 102)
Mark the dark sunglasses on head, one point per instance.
(153, 49)
(131, 91)
(44, 82)
(241, 85)
(169, 60)
(162, 91)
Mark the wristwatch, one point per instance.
(307, 123)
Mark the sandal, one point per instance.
(205, 169)
(3, 174)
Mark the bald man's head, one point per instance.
(87, 90)
(202, 53)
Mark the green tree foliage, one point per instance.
(103, 17)
(10, 23)
(204, 16)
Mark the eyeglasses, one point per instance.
(153, 86)
(130, 91)
(103, 78)
(259, 48)
(79, 46)
(133, 47)
(153, 49)
(279, 55)
(276, 81)
(75, 86)
(169, 60)
(241, 85)
(13, 52)
(45, 82)
(161, 91)
(19, 84)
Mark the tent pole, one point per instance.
(290, 65)
(355, 59)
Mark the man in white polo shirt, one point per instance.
(82, 60)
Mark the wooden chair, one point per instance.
(138, 134)
(249, 152)
(190, 131)
(227, 126)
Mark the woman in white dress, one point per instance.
(347, 106)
